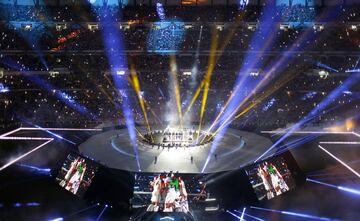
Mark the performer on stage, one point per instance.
(156, 193)
(70, 172)
(265, 177)
(172, 184)
(277, 180)
(75, 181)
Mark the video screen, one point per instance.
(270, 178)
(168, 192)
(76, 174)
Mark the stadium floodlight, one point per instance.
(187, 73)
(323, 74)
(53, 73)
(254, 73)
(252, 26)
(120, 72)
(57, 219)
(60, 26)
(93, 27)
(285, 27)
(220, 27)
(302, 215)
(4, 88)
(26, 27)
(318, 27)
(124, 27)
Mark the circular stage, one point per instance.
(114, 149)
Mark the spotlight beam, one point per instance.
(353, 79)
(209, 72)
(196, 95)
(101, 213)
(173, 71)
(304, 132)
(346, 189)
(61, 95)
(277, 66)
(340, 161)
(24, 138)
(82, 210)
(114, 48)
(258, 100)
(10, 132)
(48, 140)
(248, 215)
(137, 88)
(250, 61)
(25, 154)
(340, 142)
(145, 102)
(302, 215)
(356, 134)
(219, 54)
(234, 215)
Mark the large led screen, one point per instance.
(270, 178)
(76, 174)
(168, 192)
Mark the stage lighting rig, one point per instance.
(26, 27)
(124, 27)
(93, 27)
(60, 26)
(120, 72)
(318, 27)
(285, 27)
(323, 74)
(252, 26)
(220, 27)
(187, 73)
(354, 27)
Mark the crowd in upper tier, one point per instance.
(65, 77)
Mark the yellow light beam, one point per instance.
(140, 134)
(265, 95)
(173, 71)
(253, 92)
(136, 85)
(197, 93)
(237, 88)
(211, 66)
(220, 52)
(145, 102)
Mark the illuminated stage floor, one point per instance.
(113, 149)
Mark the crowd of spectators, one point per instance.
(86, 13)
(49, 72)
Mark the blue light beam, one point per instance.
(101, 213)
(316, 111)
(114, 47)
(302, 215)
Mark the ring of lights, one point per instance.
(176, 138)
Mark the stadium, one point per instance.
(191, 110)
